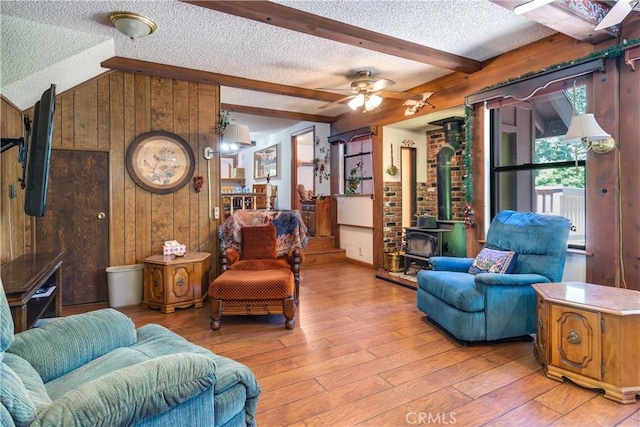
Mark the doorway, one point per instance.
(302, 168)
(76, 223)
(408, 168)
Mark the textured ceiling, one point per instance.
(63, 42)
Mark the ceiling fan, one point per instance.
(368, 93)
(618, 12)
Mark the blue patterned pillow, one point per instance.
(494, 261)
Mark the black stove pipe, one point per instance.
(451, 127)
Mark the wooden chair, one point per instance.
(258, 278)
(261, 199)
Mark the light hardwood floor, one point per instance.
(363, 354)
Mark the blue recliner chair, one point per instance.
(96, 369)
(489, 306)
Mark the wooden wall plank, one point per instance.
(194, 199)
(181, 114)
(629, 152)
(129, 184)
(13, 220)
(85, 124)
(208, 110)
(65, 103)
(117, 168)
(143, 197)
(162, 206)
(103, 113)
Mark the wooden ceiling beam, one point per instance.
(297, 20)
(189, 74)
(267, 112)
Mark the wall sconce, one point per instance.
(585, 129)
(133, 25)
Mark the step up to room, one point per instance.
(322, 250)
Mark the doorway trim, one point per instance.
(295, 200)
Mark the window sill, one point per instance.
(578, 252)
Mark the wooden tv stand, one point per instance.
(22, 277)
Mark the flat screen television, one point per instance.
(39, 148)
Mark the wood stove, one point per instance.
(421, 243)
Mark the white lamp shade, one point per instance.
(132, 24)
(236, 134)
(372, 102)
(584, 126)
(357, 102)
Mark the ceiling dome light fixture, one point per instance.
(133, 25)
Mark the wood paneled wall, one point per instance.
(107, 114)
(16, 228)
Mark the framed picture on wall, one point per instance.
(160, 162)
(265, 162)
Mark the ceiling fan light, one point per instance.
(356, 102)
(132, 25)
(372, 102)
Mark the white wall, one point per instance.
(396, 136)
(575, 268)
(283, 180)
(355, 226)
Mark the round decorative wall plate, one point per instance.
(160, 161)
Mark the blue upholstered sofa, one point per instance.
(491, 306)
(96, 369)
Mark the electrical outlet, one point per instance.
(13, 191)
(360, 252)
(216, 213)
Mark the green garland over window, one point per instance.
(611, 52)
(468, 143)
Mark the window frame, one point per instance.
(362, 154)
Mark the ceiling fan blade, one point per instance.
(618, 12)
(380, 84)
(339, 101)
(400, 95)
(335, 89)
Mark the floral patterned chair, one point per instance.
(260, 257)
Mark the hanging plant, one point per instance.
(224, 120)
(468, 144)
(354, 179)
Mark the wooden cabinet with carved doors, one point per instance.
(175, 282)
(589, 334)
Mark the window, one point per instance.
(531, 169)
(358, 166)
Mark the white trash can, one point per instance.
(125, 285)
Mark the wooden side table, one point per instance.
(22, 277)
(589, 334)
(172, 282)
